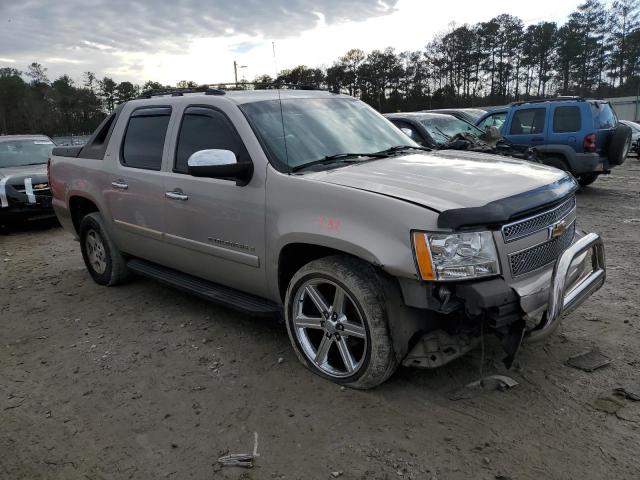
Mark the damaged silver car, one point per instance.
(441, 131)
(311, 204)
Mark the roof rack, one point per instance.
(552, 99)
(178, 92)
(264, 86)
(222, 88)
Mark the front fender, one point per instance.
(370, 226)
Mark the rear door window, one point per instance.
(566, 119)
(143, 142)
(204, 129)
(529, 121)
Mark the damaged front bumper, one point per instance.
(565, 292)
(530, 309)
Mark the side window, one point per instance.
(604, 116)
(566, 119)
(409, 130)
(495, 120)
(528, 121)
(203, 129)
(144, 139)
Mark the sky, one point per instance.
(168, 41)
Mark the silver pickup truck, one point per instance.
(377, 251)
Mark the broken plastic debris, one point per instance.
(589, 361)
(494, 382)
(244, 460)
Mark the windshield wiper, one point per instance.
(339, 158)
(439, 130)
(402, 148)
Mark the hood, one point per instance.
(23, 171)
(445, 180)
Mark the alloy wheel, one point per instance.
(329, 328)
(96, 252)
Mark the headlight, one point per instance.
(455, 256)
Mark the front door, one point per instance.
(134, 190)
(214, 226)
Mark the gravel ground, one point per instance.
(144, 382)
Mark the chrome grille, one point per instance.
(522, 228)
(541, 255)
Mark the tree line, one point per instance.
(596, 52)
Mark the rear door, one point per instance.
(566, 125)
(214, 227)
(527, 126)
(134, 188)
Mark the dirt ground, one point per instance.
(144, 382)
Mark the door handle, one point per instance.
(119, 184)
(537, 139)
(176, 194)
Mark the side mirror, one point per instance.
(216, 163)
(408, 132)
(494, 133)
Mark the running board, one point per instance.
(226, 296)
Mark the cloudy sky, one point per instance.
(168, 41)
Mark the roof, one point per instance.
(416, 115)
(10, 138)
(465, 110)
(557, 99)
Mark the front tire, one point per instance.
(103, 260)
(337, 322)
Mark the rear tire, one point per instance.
(620, 145)
(103, 260)
(587, 179)
(335, 305)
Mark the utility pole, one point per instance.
(235, 70)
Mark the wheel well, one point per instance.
(79, 207)
(559, 157)
(294, 256)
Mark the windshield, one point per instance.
(445, 127)
(315, 128)
(16, 153)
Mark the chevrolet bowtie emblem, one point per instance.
(557, 229)
(40, 186)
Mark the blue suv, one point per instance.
(583, 137)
